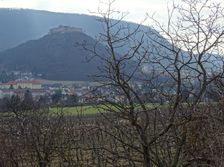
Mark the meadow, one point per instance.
(78, 110)
(91, 109)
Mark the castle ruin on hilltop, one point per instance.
(64, 29)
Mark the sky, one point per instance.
(137, 9)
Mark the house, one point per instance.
(36, 93)
(21, 84)
(19, 87)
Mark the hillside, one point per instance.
(57, 56)
(18, 26)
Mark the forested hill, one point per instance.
(57, 56)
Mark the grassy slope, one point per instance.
(88, 110)
(77, 110)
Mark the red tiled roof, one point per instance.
(21, 81)
(9, 83)
(23, 90)
(29, 81)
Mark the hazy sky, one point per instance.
(136, 8)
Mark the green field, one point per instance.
(88, 110)
(85, 110)
(82, 110)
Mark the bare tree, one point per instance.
(178, 61)
(189, 47)
(153, 83)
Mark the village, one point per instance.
(39, 89)
(70, 93)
